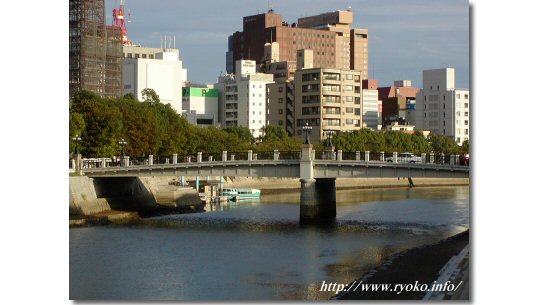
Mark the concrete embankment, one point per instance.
(279, 185)
(123, 199)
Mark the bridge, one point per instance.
(317, 170)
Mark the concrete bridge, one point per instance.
(317, 171)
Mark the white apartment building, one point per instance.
(441, 108)
(161, 73)
(243, 97)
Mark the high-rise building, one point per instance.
(442, 108)
(243, 97)
(162, 74)
(95, 50)
(333, 42)
(327, 99)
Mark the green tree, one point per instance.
(149, 95)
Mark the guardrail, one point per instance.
(224, 156)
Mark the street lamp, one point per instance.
(307, 130)
(76, 138)
(122, 143)
(329, 134)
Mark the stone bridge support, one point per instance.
(318, 196)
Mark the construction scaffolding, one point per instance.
(95, 50)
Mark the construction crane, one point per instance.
(119, 21)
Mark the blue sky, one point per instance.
(406, 36)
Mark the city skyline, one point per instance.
(405, 37)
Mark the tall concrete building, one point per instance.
(442, 108)
(243, 97)
(162, 74)
(334, 43)
(327, 99)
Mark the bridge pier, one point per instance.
(318, 196)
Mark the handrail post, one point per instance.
(174, 158)
(224, 156)
(423, 157)
(367, 156)
(382, 156)
(199, 157)
(150, 159)
(249, 154)
(357, 155)
(432, 158)
(395, 157)
(276, 155)
(339, 155)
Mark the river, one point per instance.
(256, 250)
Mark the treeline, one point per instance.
(151, 127)
(396, 141)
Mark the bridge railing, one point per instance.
(290, 155)
(139, 161)
(238, 156)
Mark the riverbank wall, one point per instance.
(121, 199)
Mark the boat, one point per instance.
(241, 193)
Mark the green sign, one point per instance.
(200, 92)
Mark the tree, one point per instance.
(149, 95)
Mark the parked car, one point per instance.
(405, 157)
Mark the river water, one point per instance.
(256, 250)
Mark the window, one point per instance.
(280, 89)
(280, 111)
(260, 95)
(254, 112)
(280, 122)
(349, 110)
(466, 96)
(253, 94)
(466, 105)
(458, 96)
(357, 111)
(349, 76)
(349, 121)
(466, 113)
(253, 121)
(349, 99)
(466, 131)
(466, 122)
(349, 88)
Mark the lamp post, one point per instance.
(329, 134)
(307, 130)
(122, 143)
(76, 138)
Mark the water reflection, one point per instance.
(256, 249)
(213, 206)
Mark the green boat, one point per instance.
(241, 193)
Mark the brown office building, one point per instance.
(334, 43)
(396, 100)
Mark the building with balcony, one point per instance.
(243, 97)
(327, 99)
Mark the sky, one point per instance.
(406, 36)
